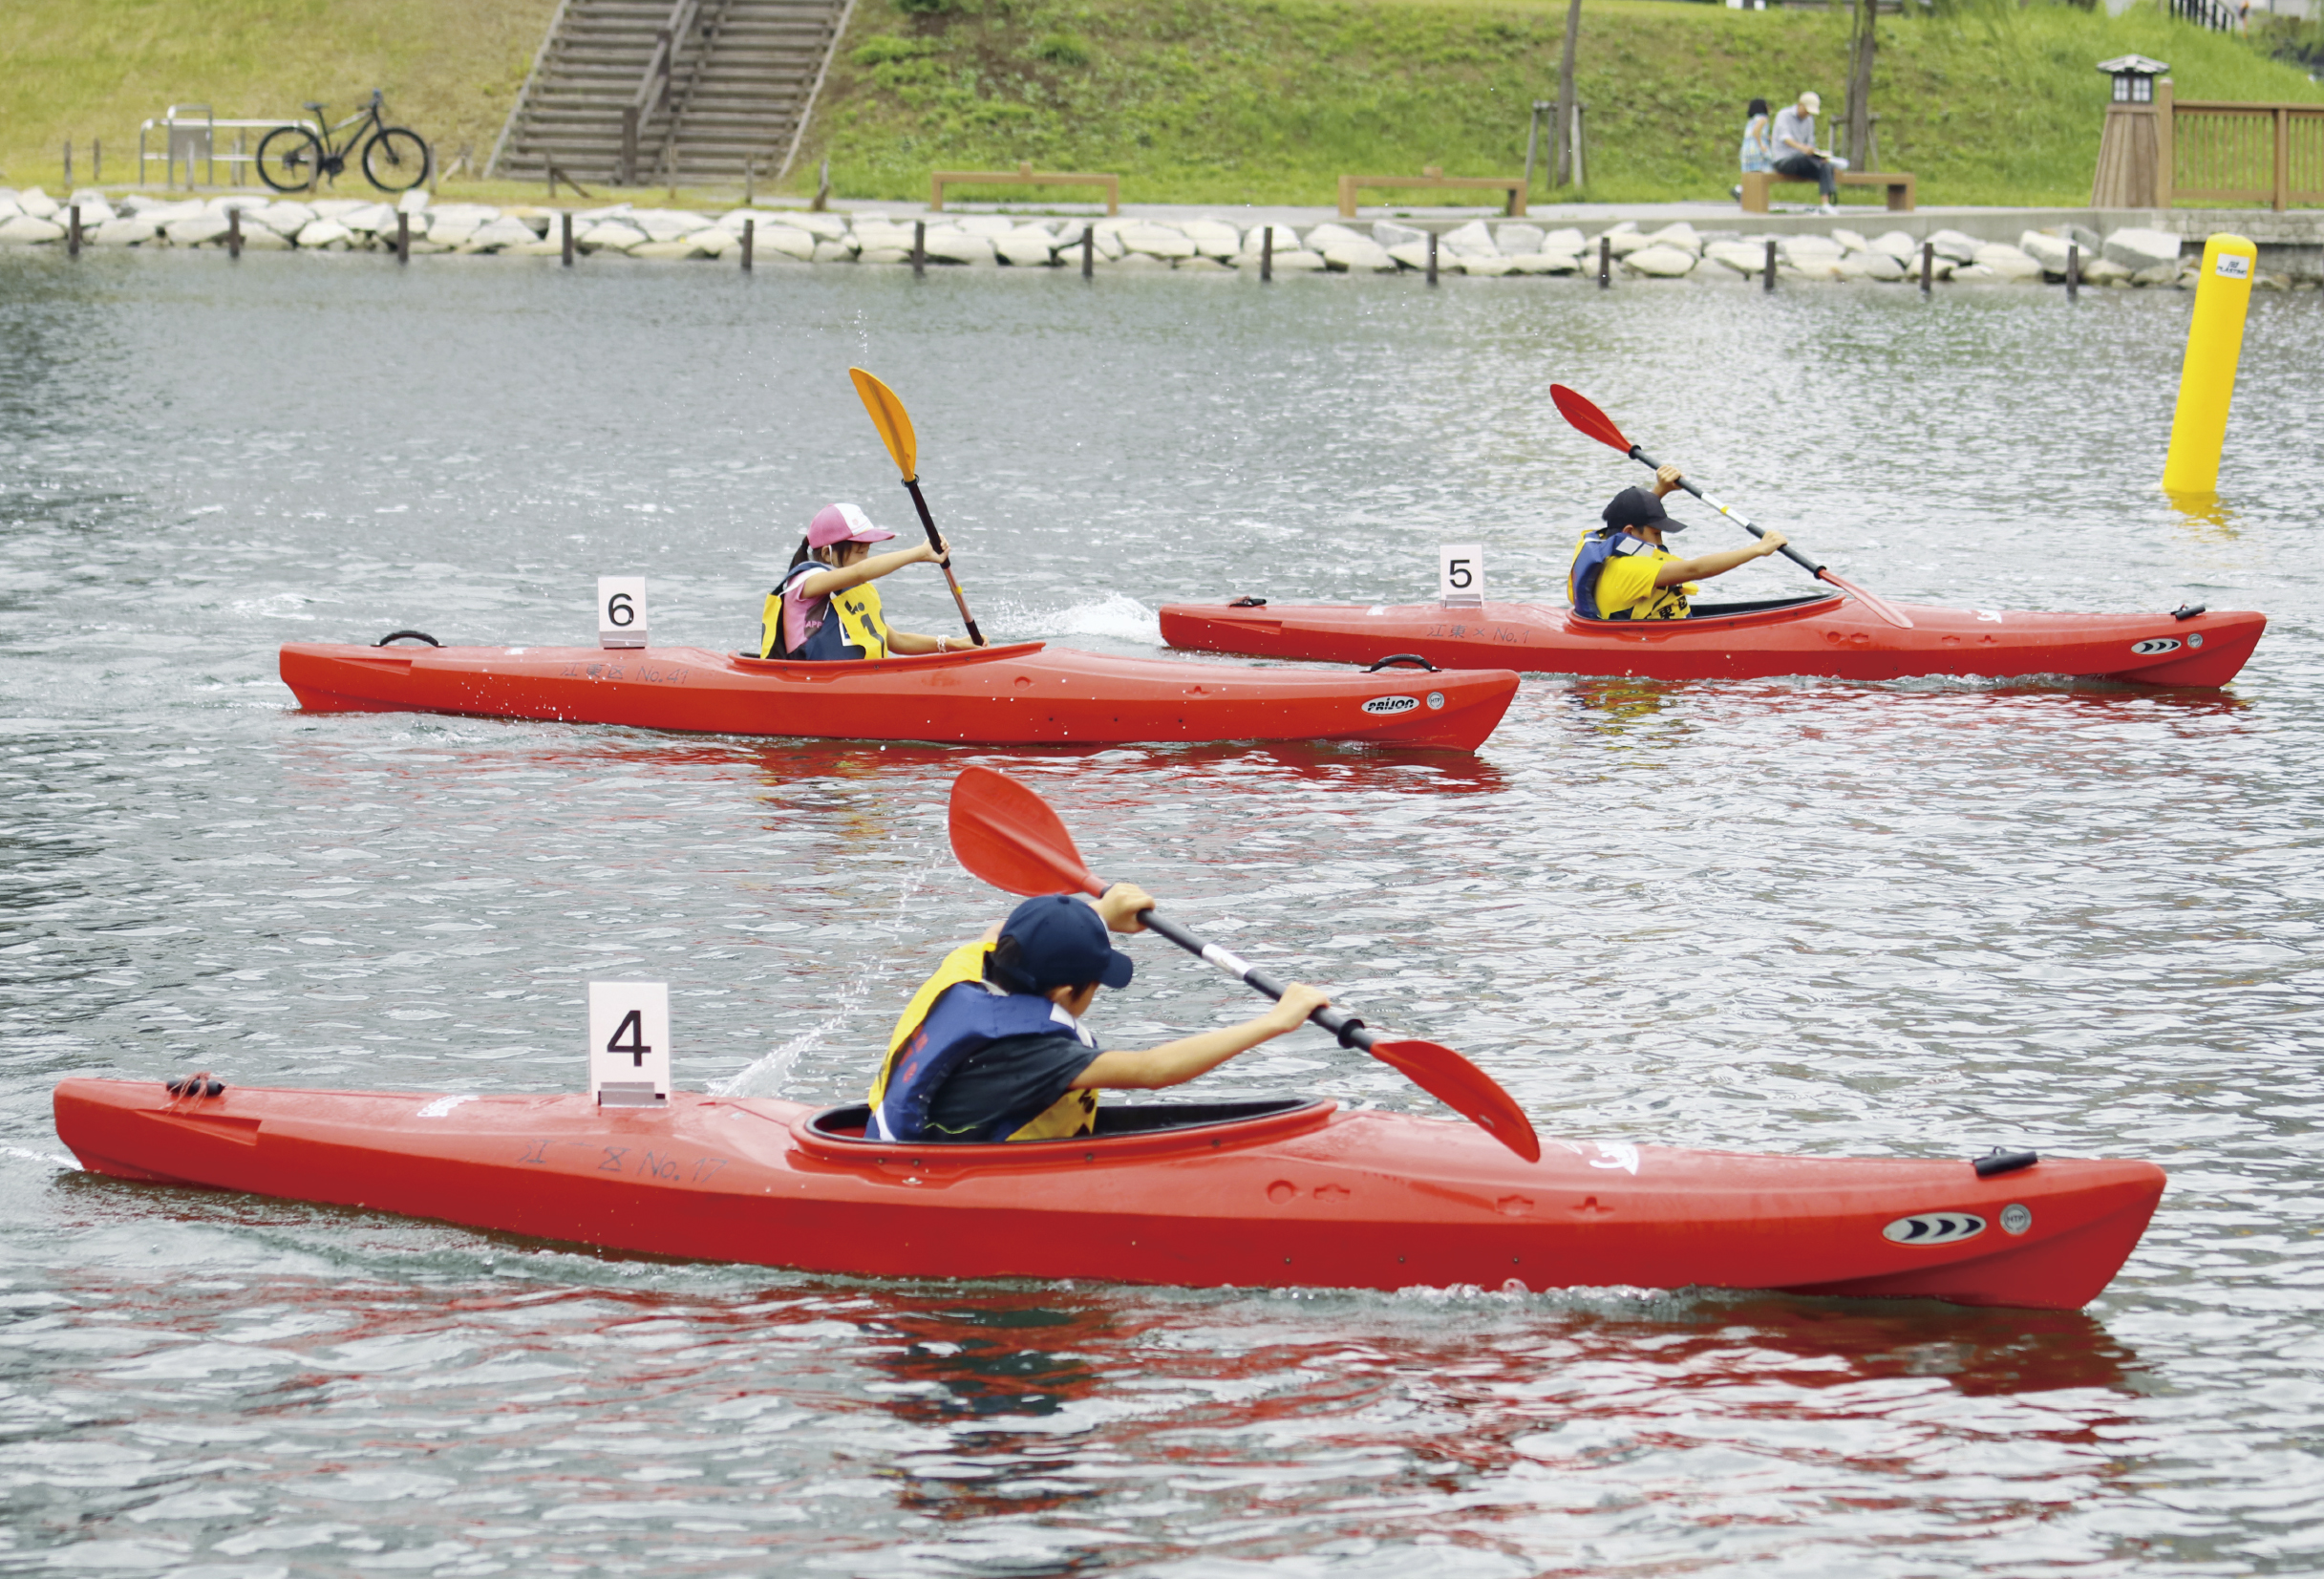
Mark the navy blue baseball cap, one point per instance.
(1061, 941)
(1637, 508)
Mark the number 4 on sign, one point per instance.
(621, 610)
(630, 1043)
(1460, 575)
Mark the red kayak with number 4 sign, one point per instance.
(1821, 634)
(1270, 1194)
(1024, 693)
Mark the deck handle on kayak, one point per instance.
(398, 636)
(1247, 603)
(1408, 660)
(1996, 1162)
(2187, 611)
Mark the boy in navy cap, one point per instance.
(1621, 571)
(993, 1048)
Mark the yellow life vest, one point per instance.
(853, 626)
(1074, 1112)
(1598, 553)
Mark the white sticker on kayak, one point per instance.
(2232, 266)
(1616, 1154)
(1392, 704)
(2155, 644)
(1991, 615)
(1934, 1228)
(2016, 1217)
(441, 1107)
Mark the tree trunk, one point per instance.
(1862, 44)
(1561, 137)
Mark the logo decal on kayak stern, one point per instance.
(2155, 644)
(1934, 1228)
(1616, 1154)
(1392, 704)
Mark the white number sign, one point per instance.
(1460, 575)
(621, 610)
(630, 1043)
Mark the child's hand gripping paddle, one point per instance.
(1588, 419)
(895, 425)
(1009, 836)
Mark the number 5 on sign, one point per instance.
(1461, 574)
(621, 610)
(630, 1043)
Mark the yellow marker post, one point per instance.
(2207, 379)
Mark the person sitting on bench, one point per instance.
(1797, 156)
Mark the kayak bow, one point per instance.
(1276, 1193)
(1023, 694)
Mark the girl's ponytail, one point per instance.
(799, 559)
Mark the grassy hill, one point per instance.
(1192, 100)
(84, 69)
(1268, 100)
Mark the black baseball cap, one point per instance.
(1637, 508)
(1061, 942)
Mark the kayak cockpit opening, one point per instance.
(1760, 606)
(848, 1124)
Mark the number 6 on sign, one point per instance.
(630, 1043)
(1460, 575)
(621, 610)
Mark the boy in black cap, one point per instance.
(993, 1048)
(1621, 571)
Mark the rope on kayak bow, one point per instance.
(1406, 660)
(416, 635)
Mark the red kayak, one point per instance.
(1822, 633)
(1255, 1194)
(1024, 693)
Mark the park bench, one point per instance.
(1434, 176)
(1024, 175)
(1900, 186)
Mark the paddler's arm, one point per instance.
(1671, 571)
(871, 568)
(1174, 1063)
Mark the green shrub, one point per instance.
(1063, 49)
(882, 49)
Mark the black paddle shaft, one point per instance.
(1351, 1030)
(1787, 550)
(928, 522)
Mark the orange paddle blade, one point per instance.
(1007, 835)
(889, 416)
(1577, 409)
(1465, 1088)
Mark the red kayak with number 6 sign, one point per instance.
(1024, 693)
(1822, 634)
(1270, 1194)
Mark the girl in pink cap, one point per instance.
(827, 607)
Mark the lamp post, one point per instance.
(2133, 149)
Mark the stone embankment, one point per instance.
(2129, 257)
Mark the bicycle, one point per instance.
(395, 159)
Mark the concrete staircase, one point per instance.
(708, 86)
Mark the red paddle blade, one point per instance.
(1894, 616)
(1587, 418)
(1465, 1088)
(1006, 834)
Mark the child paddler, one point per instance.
(827, 607)
(993, 1047)
(1621, 571)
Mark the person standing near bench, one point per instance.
(1759, 149)
(1795, 154)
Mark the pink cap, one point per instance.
(843, 524)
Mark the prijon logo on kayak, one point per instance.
(2156, 644)
(1934, 1228)
(1392, 704)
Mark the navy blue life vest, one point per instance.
(965, 1018)
(1589, 563)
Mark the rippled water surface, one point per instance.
(1798, 916)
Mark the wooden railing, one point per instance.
(2235, 154)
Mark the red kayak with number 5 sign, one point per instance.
(1024, 693)
(1824, 635)
(1280, 1193)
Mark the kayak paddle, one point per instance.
(1586, 418)
(895, 425)
(1006, 834)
